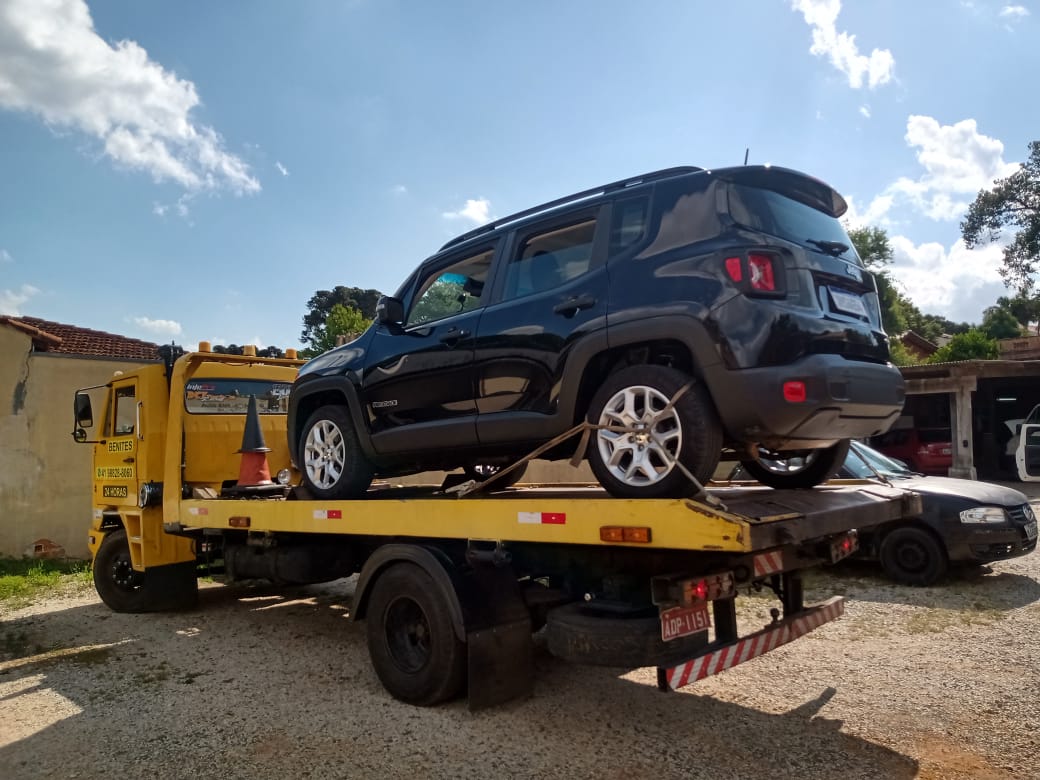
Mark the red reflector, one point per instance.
(761, 267)
(794, 392)
(733, 269)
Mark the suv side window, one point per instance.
(628, 224)
(546, 260)
(449, 291)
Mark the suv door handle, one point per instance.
(453, 336)
(574, 304)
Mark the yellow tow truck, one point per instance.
(452, 586)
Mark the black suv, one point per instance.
(685, 311)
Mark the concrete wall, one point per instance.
(45, 486)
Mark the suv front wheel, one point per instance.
(638, 456)
(331, 460)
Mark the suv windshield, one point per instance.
(778, 215)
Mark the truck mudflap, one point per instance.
(717, 658)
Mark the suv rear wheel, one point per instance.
(331, 459)
(797, 470)
(641, 460)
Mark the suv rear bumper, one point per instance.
(845, 399)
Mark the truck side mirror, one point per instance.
(389, 311)
(84, 414)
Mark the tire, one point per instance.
(331, 460)
(411, 639)
(643, 465)
(807, 470)
(124, 589)
(576, 635)
(484, 471)
(913, 556)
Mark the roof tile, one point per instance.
(65, 339)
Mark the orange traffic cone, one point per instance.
(253, 469)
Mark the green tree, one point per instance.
(933, 327)
(971, 345)
(1013, 204)
(874, 250)
(342, 322)
(899, 354)
(999, 323)
(1025, 308)
(320, 306)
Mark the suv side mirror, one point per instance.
(389, 311)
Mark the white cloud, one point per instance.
(56, 66)
(956, 283)
(477, 211)
(958, 161)
(875, 214)
(1014, 12)
(5, 256)
(400, 189)
(840, 48)
(865, 111)
(281, 168)
(164, 327)
(11, 301)
(180, 206)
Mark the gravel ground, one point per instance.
(263, 683)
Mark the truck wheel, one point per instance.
(641, 462)
(411, 639)
(807, 469)
(334, 466)
(913, 556)
(484, 471)
(124, 589)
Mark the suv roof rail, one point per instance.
(603, 189)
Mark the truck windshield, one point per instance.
(778, 215)
(231, 396)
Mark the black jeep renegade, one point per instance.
(685, 311)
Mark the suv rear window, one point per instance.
(778, 215)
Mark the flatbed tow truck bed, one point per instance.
(745, 519)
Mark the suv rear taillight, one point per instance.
(762, 277)
(758, 273)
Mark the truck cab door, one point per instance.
(116, 466)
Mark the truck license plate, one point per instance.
(1030, 536)
(683, 621)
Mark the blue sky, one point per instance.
(196, 171)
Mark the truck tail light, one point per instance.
(733, 268)
(626, 534)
